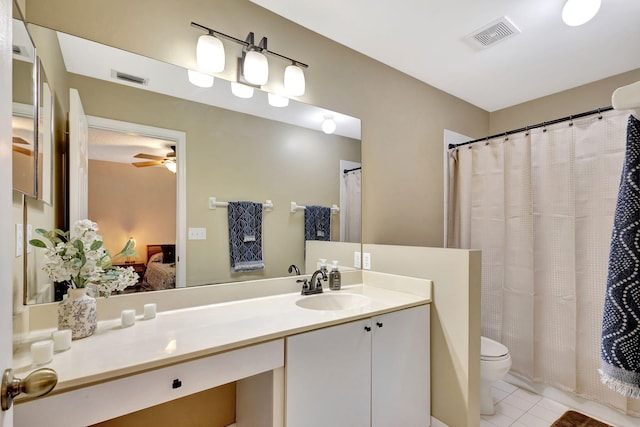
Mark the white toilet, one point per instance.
(495, 362)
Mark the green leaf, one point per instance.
(42, 231)
(97, 244)
(37, 243)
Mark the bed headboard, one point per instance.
(154, 249)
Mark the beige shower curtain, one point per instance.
(540, 206)
(353, 212)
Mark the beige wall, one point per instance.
(126, 201)
(402, 119)
(562, 104)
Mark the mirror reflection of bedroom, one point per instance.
(132, 195)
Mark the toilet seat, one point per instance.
(491, 350)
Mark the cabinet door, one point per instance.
(328, 377)
(400, 394)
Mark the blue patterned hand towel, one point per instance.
(317, 223)
(245, 236)
(620, 344)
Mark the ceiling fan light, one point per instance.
(255, 68)
(241, 91)
(294, 83)
(328, 125)
(277, 100)
(210, 54)
(171, 166)
(578, 12)
(200, 79)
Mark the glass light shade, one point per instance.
(277, 100)
(210, 54)
(294, 80)
(328, 126)
(241, 91)
(171, 166)
(255, 68)
(200, 79)
(578, 12)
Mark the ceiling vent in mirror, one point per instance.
(129, 78)
(20, 52)
(497, 31)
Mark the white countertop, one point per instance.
(179, 335)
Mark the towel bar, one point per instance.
(214, 203)
(296, 207)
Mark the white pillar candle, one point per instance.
(42, 352)
(128, 318)
(149, 311)
(61, 340)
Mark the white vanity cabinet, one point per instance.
(371, 372)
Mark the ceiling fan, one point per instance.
(169, 161)
(18, 148)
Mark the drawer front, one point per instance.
(100, 402)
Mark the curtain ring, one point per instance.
(526, 131)
(570, 121)
(544, 127)
(599, 114)
(506, 136)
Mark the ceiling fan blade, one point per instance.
(22, 150)
(18, 140)
(148, 156)
(145, 164)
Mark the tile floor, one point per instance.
(516, 407)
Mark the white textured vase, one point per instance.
(78, 313)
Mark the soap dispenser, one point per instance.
(334, 277)
(323, 266)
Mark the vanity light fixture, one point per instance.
(578, 12)
(241, 90)
(276, 100)
(294, 83)
(200, 79)
(254, 66)
(210, 53)
(328, 125)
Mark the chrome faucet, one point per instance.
(315, 287)
(294, 267)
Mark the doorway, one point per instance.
(154, 193)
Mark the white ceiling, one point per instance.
(426, 39)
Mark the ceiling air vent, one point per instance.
(17, 50)
(493, 33)
(129, 78)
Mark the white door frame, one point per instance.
(6, 197)
(180, 139)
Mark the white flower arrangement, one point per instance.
(78, 258)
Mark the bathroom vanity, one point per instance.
(367, 343)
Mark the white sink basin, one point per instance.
(333, 301)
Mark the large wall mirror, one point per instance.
(164, 157)
(23, 122)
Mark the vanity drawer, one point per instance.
(100, 402)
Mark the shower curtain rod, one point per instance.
(539, 125)
(351, 170)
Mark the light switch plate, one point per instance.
(356, 259)
(29, 237)
(366, 261)
(197, 233)
(19, 238)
